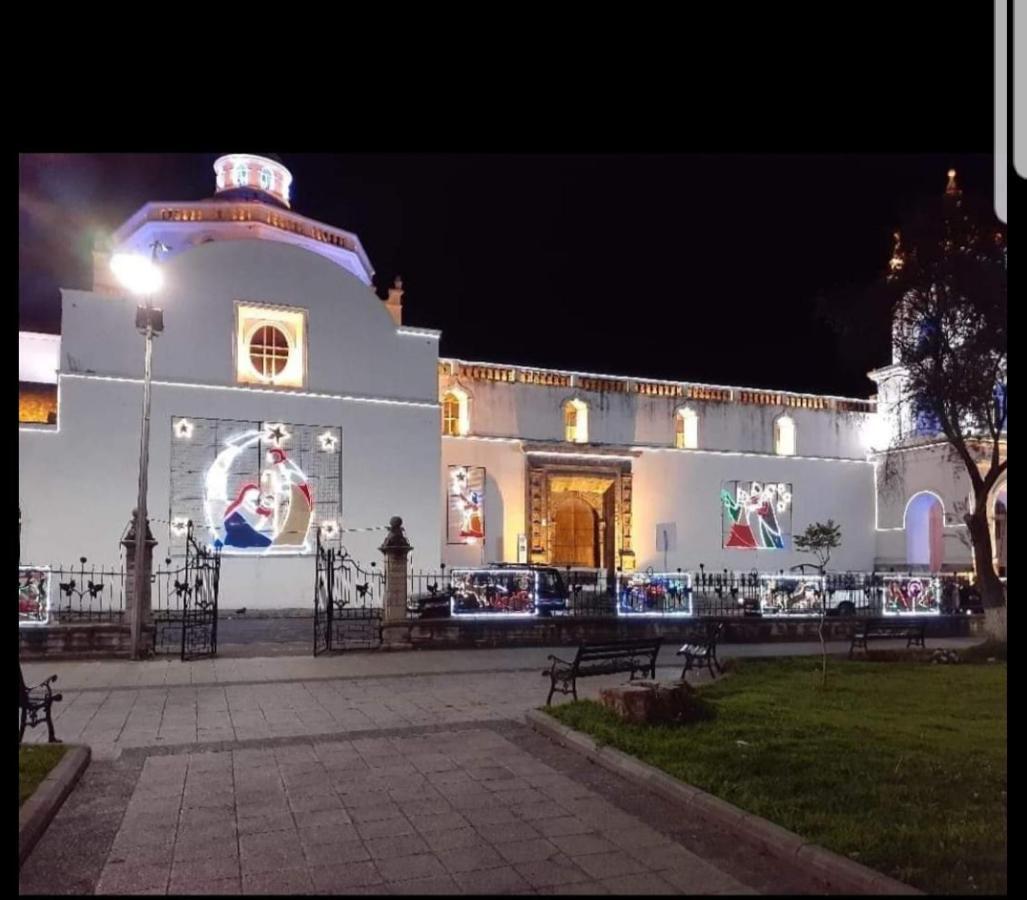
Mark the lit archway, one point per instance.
(1000, 516)
(924, 521)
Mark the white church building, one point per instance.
(288, 396)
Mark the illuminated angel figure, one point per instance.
(471, 525)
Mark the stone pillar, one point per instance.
(129, 543)
(395, 548)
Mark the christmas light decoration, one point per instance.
(328, 441)
(655, 594)
(751, 515)
(276, 433)
(183, 429)
(268, 515)
(385, 401)
(329, 529)
(466, 518)
(179, 526)
(33, 595)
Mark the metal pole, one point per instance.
(142, 577)
(141, 512)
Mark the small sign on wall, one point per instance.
(666, 537)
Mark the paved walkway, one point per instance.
(362, 773)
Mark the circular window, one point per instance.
(269, 351)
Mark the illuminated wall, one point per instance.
(378, 388)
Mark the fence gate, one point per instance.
(347, 602)
(185, 611)
(199, 594)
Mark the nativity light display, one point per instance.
(269, 515)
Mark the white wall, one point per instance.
(535, 412)
(910, 472)
(352, 345)
(77, 484)
(38, 357)
(504, 500)
(684, 487)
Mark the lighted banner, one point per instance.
(33, 595)
(465, 511)
(652, 593)
(254, 488)
(911, 595)
(492, 591)
(757, 515)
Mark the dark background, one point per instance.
(695, 266)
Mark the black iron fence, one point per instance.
(348, 600)
(547, 591)
(183, 598)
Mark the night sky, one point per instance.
(691, 267)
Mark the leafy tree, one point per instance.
(945, 293)
(947, 288)
(820, 539)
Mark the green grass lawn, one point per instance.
(34, 764)
(900, 766)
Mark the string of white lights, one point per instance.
(350, 398)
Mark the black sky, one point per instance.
(701, 267)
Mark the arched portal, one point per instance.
(925, 536)
(576, 538)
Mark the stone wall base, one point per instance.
(571, 631)
(79, 641)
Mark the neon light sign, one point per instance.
(756, 515)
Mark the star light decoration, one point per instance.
(329, 442)
(330, 529)
(179, 526)
(276, 433)
(183, 429)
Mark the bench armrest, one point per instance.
(555, 661)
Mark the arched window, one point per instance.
(575, 422)
(686, 429)
(239, 175)
(455, 419)
(267, 179)
(784, 436)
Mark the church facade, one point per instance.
(288, 398)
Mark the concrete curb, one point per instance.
(837, 873)
(42, 806)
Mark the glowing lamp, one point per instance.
(137, 274)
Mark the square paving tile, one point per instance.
(502, 880)
(547, 872)
(336, 878)
(280, 881)
(406, 868)
(469, 859)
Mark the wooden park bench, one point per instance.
(35, 705)
(602, 659)
(703, 650)
(875, 629)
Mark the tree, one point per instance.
(947, 288)
(945, 293)
(820, 539)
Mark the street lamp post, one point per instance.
(142, 277)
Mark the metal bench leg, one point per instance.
(49, 726)
(24, 719)
(709, 665)
(574, 688)
(716, 662)
(552, 687)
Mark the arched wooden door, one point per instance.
(576, 541)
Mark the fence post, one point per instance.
(140, 643)
(395, 548)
